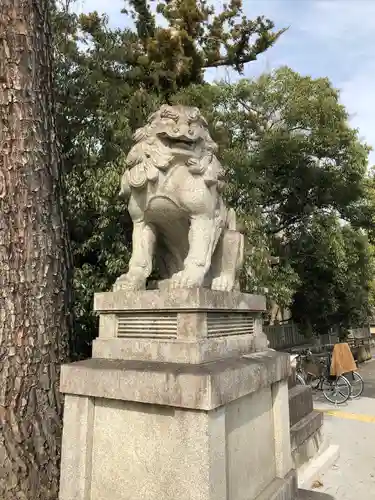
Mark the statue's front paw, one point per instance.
(188, 278)
(129, 282)
(224, 283)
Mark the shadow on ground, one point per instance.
(313, 495)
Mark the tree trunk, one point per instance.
(34, 258)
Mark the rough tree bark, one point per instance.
(34, 258)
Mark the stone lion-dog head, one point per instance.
(173, 135)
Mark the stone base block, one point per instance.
(176, 350)
(161, 431)
(281, 489)
(300, 403)
(309, 449)
(178, 325)
(305, 428)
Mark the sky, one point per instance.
(326, 38)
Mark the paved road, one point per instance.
(352, 427)
(368, 372)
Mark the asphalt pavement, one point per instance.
(368, 373)
(352, 427)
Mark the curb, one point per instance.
(317, 466)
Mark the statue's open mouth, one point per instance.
(181, 143)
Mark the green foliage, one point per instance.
(336, 267)
(292, 136)
(292, 159)
(196, 37)
(295, 157)
(107, 83)
(191, 38)
(290, 156)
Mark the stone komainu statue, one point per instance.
(173, 182)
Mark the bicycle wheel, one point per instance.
(336, 390)
(357, 383)
(300, 380)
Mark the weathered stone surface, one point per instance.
(114, 449)
(144, 452)
(76, 459)
(196, 299)
(173, 183)
(300, 403)
(176, 351)
(250, 433)
(305, 428)
(309, 449)
(281, 489)
(204, 387)
(282, 444)
(182, 399)
(184, 326)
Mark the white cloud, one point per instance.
(347, 29)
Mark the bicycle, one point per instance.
(357, 383)
(296, 363)
(336, 390)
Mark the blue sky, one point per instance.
(333, 38)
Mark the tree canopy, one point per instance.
(292, 160)
(336, 266)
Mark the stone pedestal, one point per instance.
(178, 325)
(177, 403)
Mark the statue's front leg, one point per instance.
(140, 264)
(202, 238)
(228, 261)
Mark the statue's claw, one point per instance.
(223, 283)
(130, 282)
(191, 277)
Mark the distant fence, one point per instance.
(355, 334)
(361, 333)
(284, 336)
(288, 335)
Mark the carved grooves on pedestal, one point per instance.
(220, 324)
(147, 326)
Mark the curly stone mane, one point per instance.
(155, 146)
